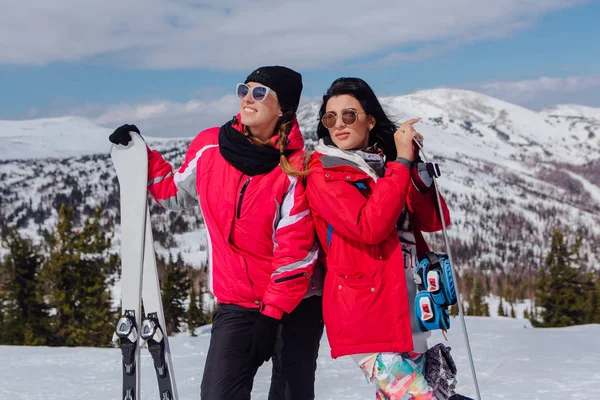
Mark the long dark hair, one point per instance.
(383, 131)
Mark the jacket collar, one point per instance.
(355, 160)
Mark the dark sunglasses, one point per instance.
(258, 93)
(349, 116)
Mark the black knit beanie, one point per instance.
(286, 83)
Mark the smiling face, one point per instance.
(352, 136)
(260, 117)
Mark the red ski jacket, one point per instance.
(261, 245)
(365, 304)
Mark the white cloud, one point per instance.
(241, 34)
(165, 118)
(546, 91)
(422, 53)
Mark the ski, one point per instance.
(131, 164)
(154, 327)
(139, 278)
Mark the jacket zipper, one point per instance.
(242, 191)
(289, 278)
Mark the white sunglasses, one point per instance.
(258, 93)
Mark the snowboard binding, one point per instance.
(436, 292)
(423, 173)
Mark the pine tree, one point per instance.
(78, 273)
(501, 312)
(533, 314)
(477, 306)
(508, 295)
(453, 311)
(468, 282)
(563, 289)
(25, 318)
(3, 323)
(594, 302)
(195, 314)
(512, 311)
(596, 317)
(210, 312)
(525, 314)
(175, 288)
(202, 307)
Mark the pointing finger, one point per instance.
(412, 121)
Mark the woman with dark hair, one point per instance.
(369, 217)
(246, 177)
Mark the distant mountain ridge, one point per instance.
(509, 174)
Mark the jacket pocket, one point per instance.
(357, 283)
(289, 278)
(352, 306)
(355, 276)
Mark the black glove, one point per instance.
(121, 134)
(262, 343)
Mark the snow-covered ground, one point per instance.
(513, 361)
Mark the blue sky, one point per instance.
(180, 60)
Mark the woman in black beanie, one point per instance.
(246, 177)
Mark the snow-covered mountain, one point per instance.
(510, 174)
(508, 129)
(51, 137)
(32, 190)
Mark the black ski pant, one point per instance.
(227, 373)
(296, 352)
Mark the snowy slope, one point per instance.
(51, 137)
(513, 361)
(582, 123)
(573, 110)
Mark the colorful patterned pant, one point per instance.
(397, 376)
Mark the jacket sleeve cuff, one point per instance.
(404, 161)
(271, 311)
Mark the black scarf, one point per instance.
(252, 159)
